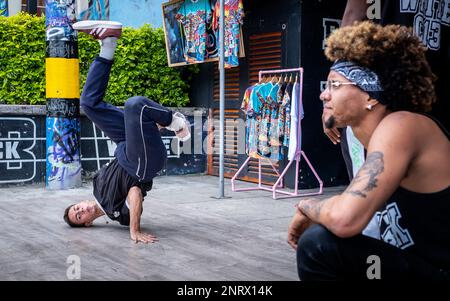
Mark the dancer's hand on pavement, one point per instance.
(298, 225)
(143, 237)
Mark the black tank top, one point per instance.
(431, 23)
(419, 222)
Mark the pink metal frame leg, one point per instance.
(260, 186)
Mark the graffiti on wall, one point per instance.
(23, 145)
(17, 141)
(60, 14)
(63, 107)
(4, 8)
(60, 36)
(63, 167)
(63, 155)
(93, 9)
(23, 150)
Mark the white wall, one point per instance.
(135, 13)
(14, 7)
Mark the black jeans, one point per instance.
(321, 255)
(140, 150)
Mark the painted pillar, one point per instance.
(4, 8)
(63, 169)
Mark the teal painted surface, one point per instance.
(135, 13)
(93, 9)
(4, 8)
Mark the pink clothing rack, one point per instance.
(276, 188)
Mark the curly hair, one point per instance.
(395, 54)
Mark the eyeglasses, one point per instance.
(334, 84)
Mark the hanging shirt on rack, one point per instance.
(212, 43)
(245, 108)
(234, 16)
(193, 16)
(296, 112)
(245, 105)
(255, 108)
(251, 137)
(255, 100)
(284, 118)
(264, 124)
(274, 131)
(273, 135)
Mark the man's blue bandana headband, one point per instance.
(364, 78)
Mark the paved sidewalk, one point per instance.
(201, 238)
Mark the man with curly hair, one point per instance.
(430, 21)
(380, 84)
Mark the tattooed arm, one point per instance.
(390, 153)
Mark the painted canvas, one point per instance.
(173, 33)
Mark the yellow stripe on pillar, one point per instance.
(62, 78)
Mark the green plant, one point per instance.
(140, 64)
(22, 57)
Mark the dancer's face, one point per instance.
(82, 213)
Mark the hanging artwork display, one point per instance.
(173, 33)
(191, 31)
(234, 16)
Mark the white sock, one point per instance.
(107, 47)
(177, 124)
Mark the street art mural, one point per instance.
(63, 153)
(60, 14)
(4, 8)
(93, 9)
(24, 153)
(63, 167)
(17, 146)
